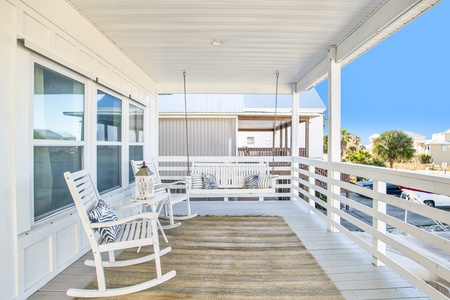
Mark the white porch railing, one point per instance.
(301, 180)
(436, 267)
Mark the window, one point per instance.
(136, 137)
(109, 137)
(250, 140)
(444, 148)
(58, 138)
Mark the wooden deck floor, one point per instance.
(349, 266)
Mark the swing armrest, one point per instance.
(176, 184)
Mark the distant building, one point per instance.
(220, 124)
(438, 147)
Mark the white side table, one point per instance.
(156, 204)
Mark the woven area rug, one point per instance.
(218, 257)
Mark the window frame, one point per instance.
(54, 143)
(142, 144)
(123, 143)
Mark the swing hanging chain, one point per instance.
(186, 125)
(275, 122)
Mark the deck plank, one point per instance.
(348, 265)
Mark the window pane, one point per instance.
(109, 118)
(50, 190)
(136, 124)
(136, 153)
(58, 106)
(108, 168)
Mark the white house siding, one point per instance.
(439, 147)
(208, 136)
(53, 33)
(316, 137)
(440, 153)
(7, 212)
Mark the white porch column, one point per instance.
(294, 134)
(295, 122)
(334, 135)
(8, 215)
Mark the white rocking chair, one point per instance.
(136, 231)
(173, 198)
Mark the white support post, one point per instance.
(334, 135)
(295, 122)
(378, 225)
(294, 135)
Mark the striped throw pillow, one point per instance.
(251, 181)
(103, 213)
(264, 182)
(197, 181)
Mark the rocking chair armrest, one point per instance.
(148, 215)
(188, 181)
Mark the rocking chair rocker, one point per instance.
(136, 231)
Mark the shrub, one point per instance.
(425, 158)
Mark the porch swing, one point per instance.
(229, 179)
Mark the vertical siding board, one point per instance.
(207, 136)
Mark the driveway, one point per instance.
(393, 211)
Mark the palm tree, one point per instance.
(356, 140)
(394, 145)
(325, 144)
(346, 137)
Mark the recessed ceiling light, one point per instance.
(217, 42)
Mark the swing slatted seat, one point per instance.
(231, 180)
(136, 231)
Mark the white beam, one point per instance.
(210, 88)
(389, 18)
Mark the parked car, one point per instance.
(391, 189)
(427, 198)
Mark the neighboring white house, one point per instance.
(439, 147)
(310, 133)
(218, 124)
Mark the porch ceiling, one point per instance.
(165, 37)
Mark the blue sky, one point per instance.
(401, 84)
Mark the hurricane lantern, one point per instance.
(144, 182)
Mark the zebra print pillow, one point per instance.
(251, 181)
(209, 182)
(103, 213)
